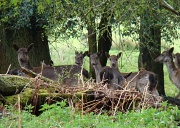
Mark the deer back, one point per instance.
(65, 73)
(142, 80)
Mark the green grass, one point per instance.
(59, 116)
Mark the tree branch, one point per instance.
(164, 4)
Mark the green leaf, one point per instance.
(14, 2)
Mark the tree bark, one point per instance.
(150, 48)
(92, 48)
(23, 37)
(105, 37)
(4, 47)
(92, 41)
(168, 7)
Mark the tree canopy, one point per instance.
(69, 17)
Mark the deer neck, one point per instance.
(171, 68)
(174, 73)
(115, 67)
(26, 65)
(98, 69)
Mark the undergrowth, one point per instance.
(57, 115)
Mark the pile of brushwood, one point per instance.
(87, 97)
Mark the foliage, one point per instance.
(68, 18)
(57, 115)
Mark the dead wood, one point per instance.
(11, 84)
(95, 98)
(173, 101)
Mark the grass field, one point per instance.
(63, 52)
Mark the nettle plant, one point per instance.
(59, 115)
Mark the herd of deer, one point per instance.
(109, 75)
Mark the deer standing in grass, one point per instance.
(174, 73)
(115, 79)
(66, 72)
(139, 79)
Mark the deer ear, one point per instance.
(30, 47)
(51, 63)
(100, 53)
(107, 54)
(76, 52)
(171, 50)
(15, 47)
(119, 55)
(85, 53)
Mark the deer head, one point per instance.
(166, 56)
(94, 57)
(23, 57)
(113, 59)
(79, 57)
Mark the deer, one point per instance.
(115, 81)
(137, 80)
(23, 58)
(66, 72)
(166, 57)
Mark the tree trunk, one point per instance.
(23, 37)
(105, 37)
(91, 41)
(92, 48)
(4, 55)
(150, 48)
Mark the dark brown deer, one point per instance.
(23, 57)
(64, 72)
(174, 74)
(114, 79)
(139, 79)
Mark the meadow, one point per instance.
(63, 52)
